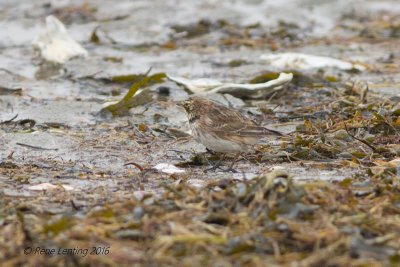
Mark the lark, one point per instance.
(223, 129)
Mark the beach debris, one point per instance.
(168, 168)
(196, 183)
(10, 91)
(259, 90)
(140, 194)
(48, 186)
(55, 44)
(295, 61)
(135, 97)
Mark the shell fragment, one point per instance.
(257, 90)
(55, 44)
(303, 61)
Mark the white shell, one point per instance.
(304, 61)
(257, 90)
(168, 168)
(48, 186)
(55, 44)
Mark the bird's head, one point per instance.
(192, 104)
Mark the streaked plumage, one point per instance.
(222, 129)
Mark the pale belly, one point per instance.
(218, 145)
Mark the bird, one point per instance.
(222, 129)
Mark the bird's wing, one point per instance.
(235, 124)
(222, 117)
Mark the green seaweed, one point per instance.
(125, 103)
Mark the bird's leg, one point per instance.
(216, 165)
(231, 169)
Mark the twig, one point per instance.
(136, 165)
(10, 156)
(10, 120)
(74, 206)
(272, 96)
(36, 147)
(360, 140)
(277, 106)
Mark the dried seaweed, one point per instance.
(126, 102)
(271, 218)
(10, 91)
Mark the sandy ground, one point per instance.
(52, 131)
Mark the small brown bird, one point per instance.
(222, 129)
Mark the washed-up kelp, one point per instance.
(128, 101)
(10, 91)
(258, 90)
(270, 220)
